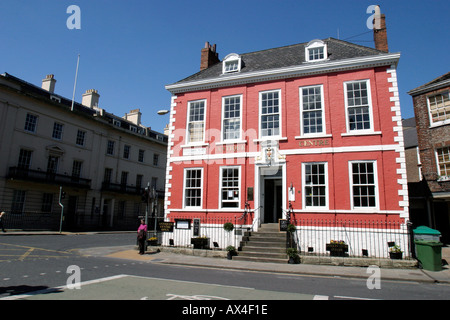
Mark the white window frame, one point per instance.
(280, 117)
(188, 136)
(324, 129)
(184, 189)
(77, 168)
(27, 155)
(231, 59)
(221, 188)
(370, 106)
(442, 177)
(327, 197)
(440, 122)
(81, 137)
(375, 174)
(313, 45)
(34, 123)
(58, 130)
(222, 133)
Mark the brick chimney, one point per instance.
(49, 83)
(379, 32)
(209, 56)
(90, 98)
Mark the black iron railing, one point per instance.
(47, 177)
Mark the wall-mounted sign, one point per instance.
(194, 151)
(183, 223)
(314, 143)
(165, 226)
(196, 227)
(283, 224)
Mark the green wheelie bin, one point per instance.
(428, 248)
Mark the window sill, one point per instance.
(230, 142)
(194, 145)
(276, 138)
(439, 124)
(364, 133)
(314, 136)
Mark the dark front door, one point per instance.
(272, 200)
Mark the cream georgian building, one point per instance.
(100, 162)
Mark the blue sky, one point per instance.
(129, 50)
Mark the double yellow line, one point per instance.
(31, 249)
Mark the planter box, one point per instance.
(200, 243)
(337, 249)
(396, 255)
(152, 242)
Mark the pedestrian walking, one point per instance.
(142, 236)
(1, 221)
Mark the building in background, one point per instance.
(310, 132)
(101, 162)
(432, 112)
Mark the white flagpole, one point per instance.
(75, 84)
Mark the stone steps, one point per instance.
(265, 245)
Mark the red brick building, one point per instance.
(307, 131)
(432, 113)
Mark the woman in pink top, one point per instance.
(142, 236)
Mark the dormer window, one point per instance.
(316, 50)
(231, 63)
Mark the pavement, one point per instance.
(164, 257)
(193, 259)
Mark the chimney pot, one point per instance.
(380, 34)
(209, 56)
(90, 98)
(134, 116)
(49, 83)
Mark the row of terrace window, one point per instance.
(358, 107)
(315, 190)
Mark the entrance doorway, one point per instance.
(273, 200)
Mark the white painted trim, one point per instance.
(280, 117)
(223, 118)
(324, 128)
(315, 44)
(204, 122)
(369, 102)
(229, 58)
(288, 72)
(208, 157)
(220, 186)
(350, 182)
(184, 189)
(327, 193)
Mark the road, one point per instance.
(43, 263)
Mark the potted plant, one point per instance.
(337, 248)
(294, 258)
(200, 242)
(395, 252)
(153, 241)
(291, 228)
(228, 226)
(231, 251)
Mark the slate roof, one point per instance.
(432, 85)
(410, 133)
(288, 56)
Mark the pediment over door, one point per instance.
(55, 150)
